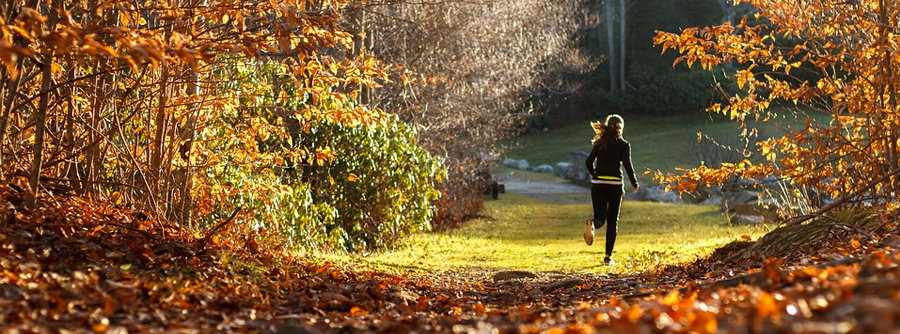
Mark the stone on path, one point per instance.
(517, 164)
(748, 219)
(543, 169)
(513, 274)
(564, 284)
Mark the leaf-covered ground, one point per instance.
(80, 266)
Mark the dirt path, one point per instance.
(544, 187)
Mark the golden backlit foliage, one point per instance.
(471, 73)
(826, 69)
(144, 103)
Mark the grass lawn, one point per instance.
(524, 233)
(658, 143)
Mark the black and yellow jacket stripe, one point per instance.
(606, 164)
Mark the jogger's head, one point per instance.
(615, 122)
(608, 131)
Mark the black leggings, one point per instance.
(606, 199)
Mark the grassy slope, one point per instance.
(658, 143)
(524, 233)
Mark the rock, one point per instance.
(659, 194)
(732, 199)
(640, 195)
(694, 197)
(713, 200)
(517, 164)
(543, 169)
(747, 219)
(767, 208)
(572, 172)
(562, 169)
(513, 274)
(564, 284)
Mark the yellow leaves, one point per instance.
(634, 313)
(766, 305)
(672, 298)
(22, 32)
(352, 177)
(704, 322)
(743, 76)
(357, 312)
(479, 308)
(323, 156)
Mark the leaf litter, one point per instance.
(73, 265)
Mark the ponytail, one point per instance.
(607, 132)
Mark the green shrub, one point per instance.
(311, 166)
(381, 184)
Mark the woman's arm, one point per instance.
(626, 162)
(589, 163)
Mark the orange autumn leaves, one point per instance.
(826, 69)
(144, 105)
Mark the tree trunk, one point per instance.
(40, 124)
(158, 146)
(885, 33)
(187, 137)
(71, 169)
(624, 15)
(611, 45)
(12, 87)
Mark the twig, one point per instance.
(840, 201)
(219, 227)
(145, 233)
(747, 278)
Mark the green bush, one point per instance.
(381, 184)
(306, 173)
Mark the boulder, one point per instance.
(713, 200)
(564, 284)
(562, 169)
(543, 169)
(747, 219)
(659, 194)
(640, 195)
(764, 207)
(572, 172)
(732, 199)
(517, 164)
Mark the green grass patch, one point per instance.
(520, 232)
(658, 143)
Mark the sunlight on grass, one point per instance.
(658, 143)
(527, 234)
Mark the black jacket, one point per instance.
(609, 161)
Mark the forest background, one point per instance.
(325, 125)
(162, 160)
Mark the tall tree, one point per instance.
(610, 17)
(623, 17)
(838, 61)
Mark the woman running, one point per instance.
(610, 153)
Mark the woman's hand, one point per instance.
(637, 188)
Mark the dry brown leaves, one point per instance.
(75, 265)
